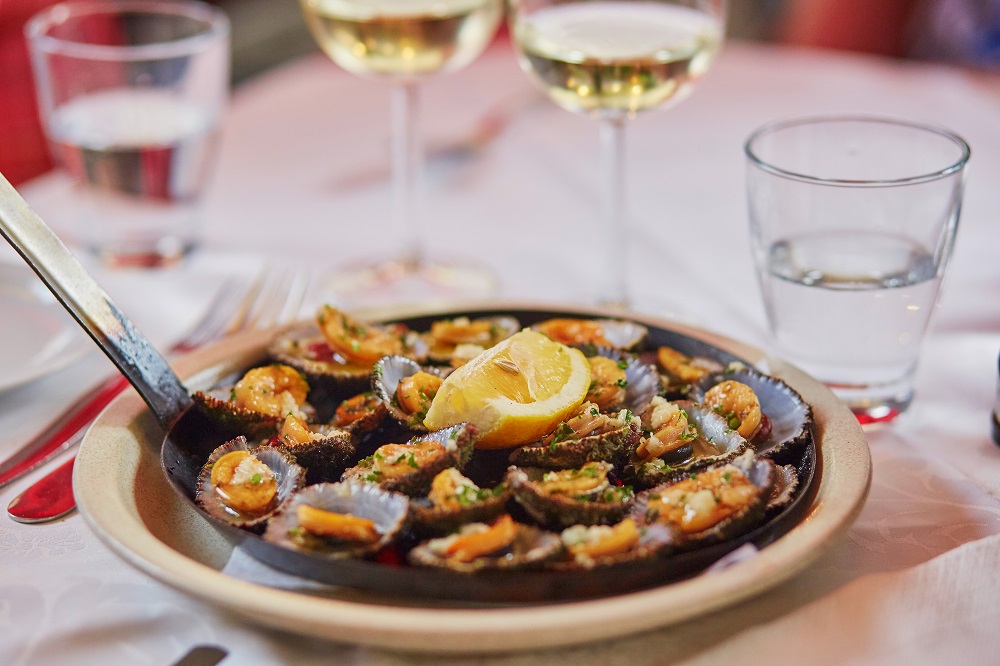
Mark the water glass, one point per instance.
(131, 95)
(852, 224)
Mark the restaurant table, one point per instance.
(302, 179)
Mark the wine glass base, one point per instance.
(156, 254)
(408, 283)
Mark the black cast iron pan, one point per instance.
(191, 441)
(191, 437)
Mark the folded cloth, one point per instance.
(946, 610)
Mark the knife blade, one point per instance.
(65, 432)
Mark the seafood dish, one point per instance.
(330, 458)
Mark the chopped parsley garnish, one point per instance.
(621, 383)
(594, 411)
(622, 364)
(689, 435)
(467, 495)
(562, 431)
(256, 479)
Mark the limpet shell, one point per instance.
(759, 471)
(457, 443)
(712, 428)
(328, 373)
(615, 333)
(434, 520)
(612, 446)
(386, 509)
(325, 457)
(386, 376)
(655, 540)
(532, 547)
(642, 380)
(557, 511)
(288, 474)
(443, 351)
(789, 416)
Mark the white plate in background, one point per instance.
(37, 335)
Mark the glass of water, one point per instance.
(131, 93)
(852, 224)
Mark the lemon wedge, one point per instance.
(514, 392)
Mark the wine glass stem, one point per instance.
(612, 291)
(406, 165)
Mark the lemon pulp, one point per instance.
(515, 392)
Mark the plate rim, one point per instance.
(112, 511)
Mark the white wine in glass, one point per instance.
(609, 60)
(402, 42)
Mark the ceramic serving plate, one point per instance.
(127, 500)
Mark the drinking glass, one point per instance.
(609, 60)
(852, 223)
(131, 95)
(403, 42)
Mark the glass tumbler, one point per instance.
(131, 94)
(852, 224)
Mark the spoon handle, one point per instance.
(93, 309)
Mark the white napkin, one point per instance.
(945, 611)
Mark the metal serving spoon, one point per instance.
(123, 343)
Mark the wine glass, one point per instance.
(609, 60)
(403, 42)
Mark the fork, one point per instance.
(268, 301)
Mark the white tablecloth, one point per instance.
(301, 176)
